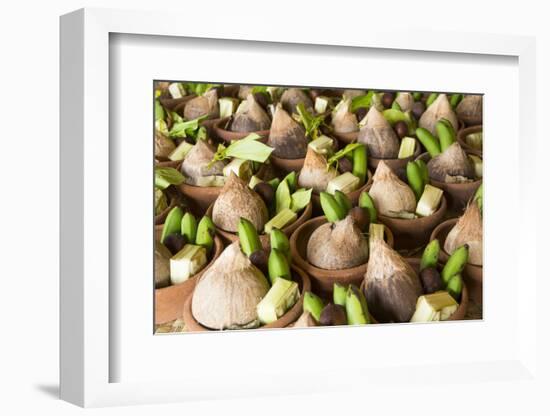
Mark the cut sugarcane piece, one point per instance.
(280, 298)
(254, 180)
(227, 106)
(322, 145)
(271, 109)
(407, 148)
(438, 306)
(475, 140)
(376, 232)
(209, 181)
(346, 183)
(176, 90)
(478, 165)
(321, 104)
(429, 201)
(181, 151)
(186, 263)
(282, 219)
(240, 167)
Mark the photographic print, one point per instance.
(298, 206)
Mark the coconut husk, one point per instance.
(351, 94)
(206, 104)
(294, 96)
(439, 109)
(227, 294)
(452, 162)
(305, 320)
(405, 101)
(378, 135)
(245, 91)
(236, 201)
(252, 118)
(471, 107)
(314, 173)
(163, 145)
(287, 137)
(343, 120)
(338, 246)
(468, 230)
(162, 265)
(389, 193)
(391, 285)
(197, 163)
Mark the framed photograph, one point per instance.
(237, 212)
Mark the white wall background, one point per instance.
(29, 171)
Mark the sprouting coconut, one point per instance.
(163, 145)
(227, 294)
(405, 101)
(162, 265)
(245, 91)
(252, 118)
(379, 136)
(343, 120)
(294, 96)
(439, 109)
(338, 246)
(351, 94)
(314, 173)
(236, 201)
(198, 164)
(305, 320)
(391, 285)
(287, 137)
(206, 104)
(390, 194)
(453, 162)
(468, 230)
(471, 109)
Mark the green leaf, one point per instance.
(161, 127)
(199, 88)
(260, 88)
(361, 101)
(248, 148)
(159, 111)
(300, 199)
(186, 128)
(164, 177)
(311, 123)
(176, 118)
(282, 197)
(333, 160)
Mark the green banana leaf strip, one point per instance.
(311, 123)
(188, 128)
(361, 101)
(300, 199)
(164, 177)
(333, 160)
(199, 88)
(248, 148)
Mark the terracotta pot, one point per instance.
(209, 126)
(229, 136)
(175, 104)
(468, 121)
(414, 233)
(200, 197)
(169, 301)
(353, 196)
(473, 274)
(287, 165)
(398, 166)
(290, 316)
(168, 164)
(322, 280)
(460, 313)
(174, 199)
(458, 194)
(229, 237)
(461, 139)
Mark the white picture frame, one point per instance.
(87, 170)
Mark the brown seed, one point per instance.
(387, 99)
(431, 280)
(361, 217)
(265, 191)
(345, 165)
(361, 113)
(418, 109)
(401, 129)
(174, 242)
(333, 315)
(259, 259)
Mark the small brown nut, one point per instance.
(265, 191)
(333, 315)
(259, 259)
(401, 129)
(174, 242)
(387, 99)
(345, 165)
(361, 113)
(431, 280)
(418, 109)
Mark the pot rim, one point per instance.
(417, 153)
(463, 133)
(439, 184)
(226, 133)
(402, 221)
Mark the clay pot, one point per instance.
(460, 313)
(461, 139)
(200, 197)
(229, 237)
(458, 194)
(287, 165)
(398, 166)
(175, 104)
(353, 196)
(229, 136)
(168, 163)
(414, 233)
(322, 280)
(169, 301)
(289, 317)
(472, 274)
